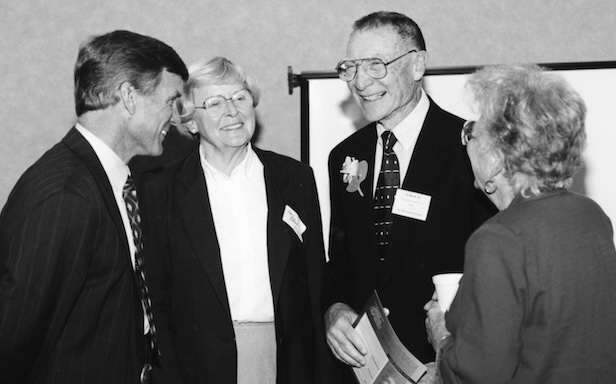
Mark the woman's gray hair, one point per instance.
(535, 120)
(215, 71)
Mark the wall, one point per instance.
(39, 42)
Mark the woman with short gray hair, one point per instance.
(537, 302)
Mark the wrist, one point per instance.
(442, 340)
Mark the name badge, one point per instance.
(292, 219)
(411, 204)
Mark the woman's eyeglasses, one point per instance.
(466, 134)
(216, 105)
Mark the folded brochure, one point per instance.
(387, 360)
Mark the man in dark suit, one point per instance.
(374, 246)
(72, 302)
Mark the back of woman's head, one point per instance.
(535, 120)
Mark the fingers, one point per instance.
(346, 351)
(432, 305)
(435, 323)
(429, 303)
(429, 376)
(434, 314)
(344, 341)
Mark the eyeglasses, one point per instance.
(373, 67)
(466, 134)
(216, 105)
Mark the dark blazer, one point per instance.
(186, 276)
(69, 306)
(418, 249)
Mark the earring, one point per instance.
(489, 187)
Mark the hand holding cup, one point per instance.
(446, 285)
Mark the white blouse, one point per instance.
(239, 210)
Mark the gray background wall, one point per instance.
(39, 41)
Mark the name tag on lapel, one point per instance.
(414, 205)
(292, 219)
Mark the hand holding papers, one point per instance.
(387, 359)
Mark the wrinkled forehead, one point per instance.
(382, 42)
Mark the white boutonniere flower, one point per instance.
(353, 173)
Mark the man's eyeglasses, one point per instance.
(466, 134)
(216, 105)
(373, 67)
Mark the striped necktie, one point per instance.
(129, 194)
(387, 183)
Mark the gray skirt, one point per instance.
(256, 353)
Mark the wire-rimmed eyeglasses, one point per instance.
(466, 134)
(216, 105)
(373, 67)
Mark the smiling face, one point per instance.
(392, 98)
(232, 129)
(153, 116)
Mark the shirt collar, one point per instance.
(409, 128)
(117, 171)
(241, 170)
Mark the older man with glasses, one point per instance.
(417, 205)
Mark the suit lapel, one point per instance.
(364, 149)
(368, 144)
(278, 232)
(82, 148)
(424, 169)
(426, 161)
(197, 215)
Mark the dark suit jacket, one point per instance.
(187, 282)
(417, 249)
(69, 305)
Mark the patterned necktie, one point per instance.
(132, 207)
(388, 182)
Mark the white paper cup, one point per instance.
(446, 285)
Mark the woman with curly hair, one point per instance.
(537, 302)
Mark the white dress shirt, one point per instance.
(239, 210)
(117, 172)
(407, 133)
